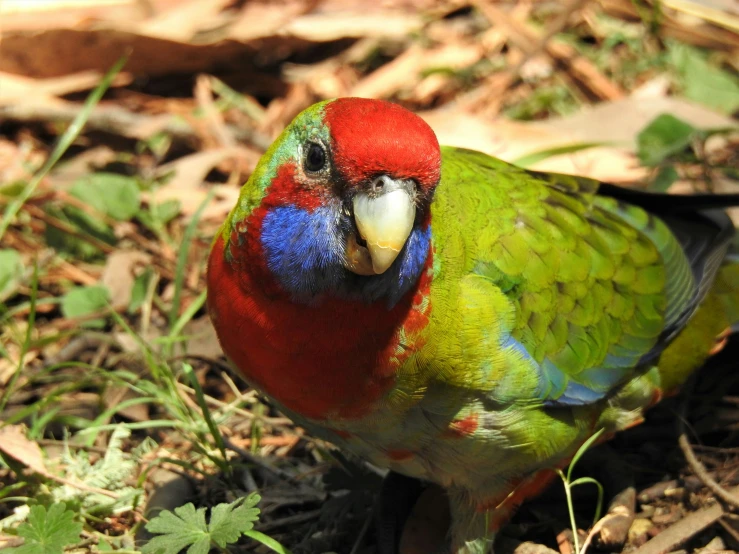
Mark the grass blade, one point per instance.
(179, 277)
(65, 141)
(535, 157)
(267, 541)
(26, 341)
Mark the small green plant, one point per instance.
(569, 484)
(701, 81)
(48, 532)
(187, 527)
(667, 141)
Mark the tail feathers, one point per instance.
(726, 290)
(705, 331)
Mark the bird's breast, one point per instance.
(332, 360)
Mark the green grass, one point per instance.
(156, 375)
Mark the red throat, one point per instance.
(334, 360)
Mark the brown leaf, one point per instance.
(9, 365)
(16, 88)
(39, 15)
(324, 27)
(259, 20)
(189, 172)
(59, 52)
(405, 71)
(203, 340)
(14, 443)
(185, 19)
(119, 274)
(189, 177)
(616, 122)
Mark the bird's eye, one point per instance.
(315, 157)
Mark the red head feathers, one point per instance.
(374, 137)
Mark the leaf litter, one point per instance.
(110, 372)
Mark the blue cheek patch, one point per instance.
(305, 252)
(302, 249)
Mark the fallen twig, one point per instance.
(691, 483)
(683, 530)
(695, 464)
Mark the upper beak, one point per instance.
(384, 218)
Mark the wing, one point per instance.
(595, 285)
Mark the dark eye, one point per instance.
(315, 157)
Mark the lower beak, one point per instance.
(384, 219)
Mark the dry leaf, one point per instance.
(405, 70)
(62, 51)
(115, 394)
(616, 122)
(8, 366)
(119, 274)
(325, 27)
(622, 120)
(258, 20)
(16, 88)
(40, 15)
(68, 171)
(14, 443)
(186, 185)
(184, 20)
(202, 339)
(189, 172)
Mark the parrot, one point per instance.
(454, 318)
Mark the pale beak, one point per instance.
(384, 218)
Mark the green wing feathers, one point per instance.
(584, 290)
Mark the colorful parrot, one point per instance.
(455, 318)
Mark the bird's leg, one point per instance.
(476, 519)
(397, 497)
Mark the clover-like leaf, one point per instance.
(48, 532)
(187, 527)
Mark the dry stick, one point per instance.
(40, 214)
(362, 533)
(522, 37)
(683, 530)
(665, 488)
(694, 523)
(695, 464)
(729, 529)
(289, 520)
(144, 243)
(702, 473)
(230, 406)
(76, 346)
(526, 41)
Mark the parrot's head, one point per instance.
(339, 204)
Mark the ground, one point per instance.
(126, 130)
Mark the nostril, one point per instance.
(383, 183)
